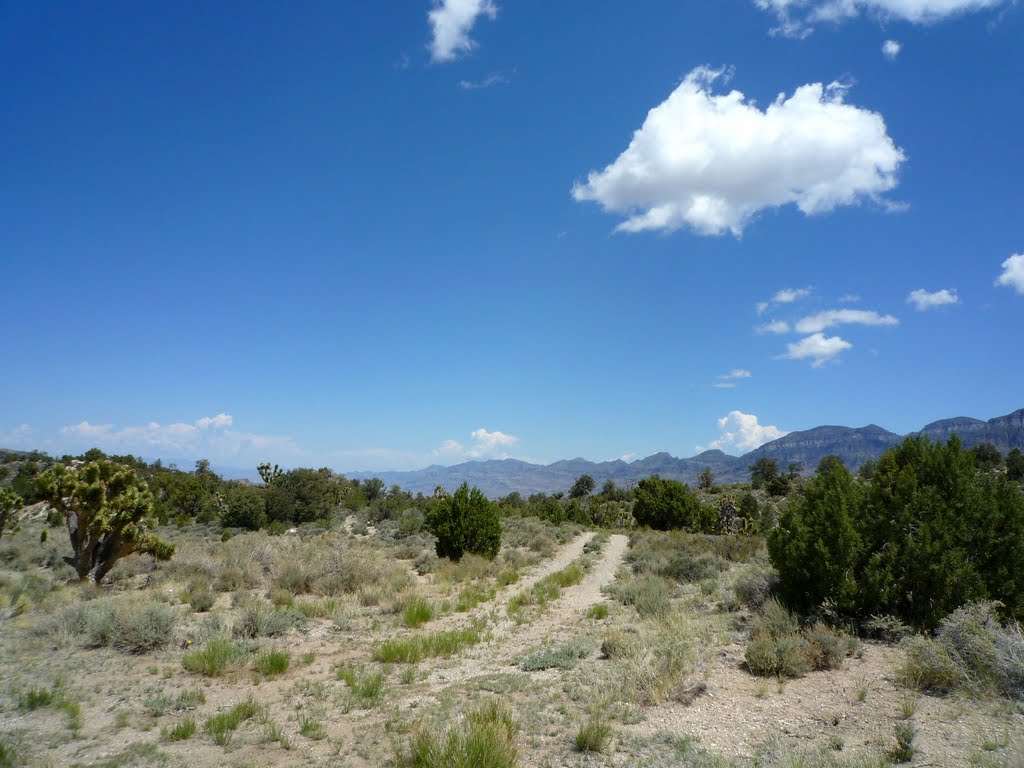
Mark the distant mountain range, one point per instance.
(807, 448)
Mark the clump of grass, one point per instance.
(486, 737)
(366, 688)
(214, 658)
(908, 705)
(598, 612)
(181, 731)
(659, 662)
(787, 656)
(596, 542)
(221, 727)
(472, 595)
(412, 650)
(272, 732)
(273, 662)
(320, 608)
(311, 728)
(593, 735)
(417, 611)
(904, 750)
(756, 586)
(563, 657)
(36, 698)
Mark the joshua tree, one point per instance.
(10, 502)
(108, 510)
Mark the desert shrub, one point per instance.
(201, 602)
(469, 568)
(778, 647)
(256, 618)
(650, 595)
(273, 662)
(668, 504)
(466, 522)
(410, 522)
(564, 657)
(301, 496)
(788, 656)
(827, 647)
(294, 578)
(755, 586)
(214, 658)
(544, 544)
(486, 737)
(598, 611)
(685, 567)
(593, 735)
(972, 651)
(233, 577)
(130, 627)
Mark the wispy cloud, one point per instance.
(213, 437)
(493, 79)
(784, 296)
(775, 326)
(833, 317)
(797, 18)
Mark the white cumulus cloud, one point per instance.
(817, 348)
(712, 161)
(783, 296)
(833, 317)
(741, 432)
(483, 445)
(922, 299)
(798, 17)
(1013, 273)
(451, 22)
(891, 49)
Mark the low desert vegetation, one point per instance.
(319, 619)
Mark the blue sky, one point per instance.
(384, 235)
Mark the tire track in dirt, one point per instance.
(509, 640)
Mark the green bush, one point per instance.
(924, 535)
(788, 656)
(668, 504)
(466, 522)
